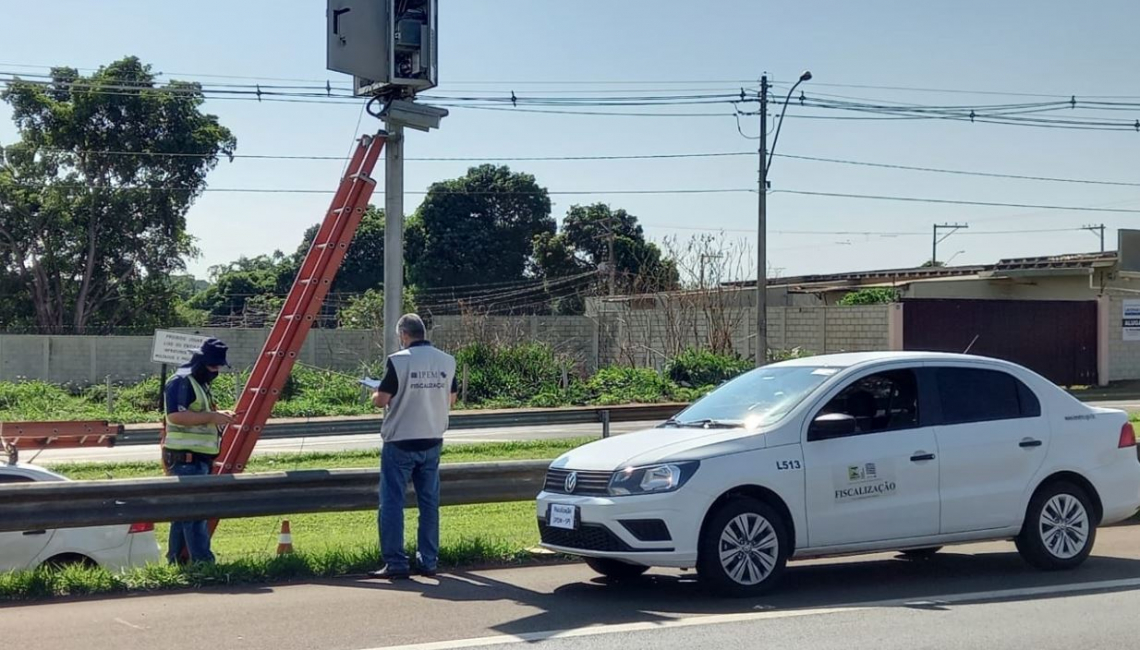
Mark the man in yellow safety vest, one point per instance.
(193, 436)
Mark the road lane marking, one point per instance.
(131, 625)
(744, 617)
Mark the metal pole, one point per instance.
(761, 234)
(393, 235)
(162, 391)
(605, 424)
(613, 262)
(465, 381)
(934, 248)
(110, 396)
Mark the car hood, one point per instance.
(652, 446)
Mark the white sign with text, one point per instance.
(175, 348)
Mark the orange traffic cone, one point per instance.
(285, 540)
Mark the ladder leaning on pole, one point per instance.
(304, 301)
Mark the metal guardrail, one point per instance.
(146, 434)
(99, 503)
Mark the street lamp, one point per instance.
(762, 235)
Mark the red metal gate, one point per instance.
(1057, 339)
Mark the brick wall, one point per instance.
(648, 337)
(1123, 356)
(642, 337)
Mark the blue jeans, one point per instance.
(396, 467)
(193, 536)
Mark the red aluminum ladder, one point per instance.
(305, 299)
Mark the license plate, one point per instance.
(562, 516)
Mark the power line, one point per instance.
(954, 201)
(665, 156)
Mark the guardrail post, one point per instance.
(606, 424)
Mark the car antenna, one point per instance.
(971, 345)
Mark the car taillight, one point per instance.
(1127, 436)
(140, 528)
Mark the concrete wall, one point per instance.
(649, 337)
(1123, 356)
(88, 360)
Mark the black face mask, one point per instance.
(203, 375)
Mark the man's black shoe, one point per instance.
(388, 574)
(426, 572)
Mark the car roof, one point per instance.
(851, 359)
(34, 471)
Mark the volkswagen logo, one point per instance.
(571, 482)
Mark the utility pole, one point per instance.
(707, 256)
(1096, 229)
(762, 234)
(953, 228)
(613, 258)
(393, 235)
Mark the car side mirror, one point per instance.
(832, 425)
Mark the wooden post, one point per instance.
(110, 397)
(463, 393)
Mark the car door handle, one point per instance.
(35, 532)
(921, 457)
(1029, 442)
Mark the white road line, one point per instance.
(721, 619)
(131, 625)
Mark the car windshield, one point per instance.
(757, 398)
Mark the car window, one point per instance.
(15, 478)
(885, 401)
(759, 397)
(978, 395)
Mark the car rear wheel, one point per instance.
(615, 569)
(1059, 529)
(743, 549)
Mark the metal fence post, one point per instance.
(606, 424)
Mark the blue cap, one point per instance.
(212, 353)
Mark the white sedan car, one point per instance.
(850, 453)
(112, 547)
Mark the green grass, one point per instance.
(462, 453)
(326, 544)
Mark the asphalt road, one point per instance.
(345, 443)
(340, 443)
(977, 596)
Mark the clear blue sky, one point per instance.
(1028, 46)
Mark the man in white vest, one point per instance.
(418, 391)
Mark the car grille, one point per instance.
(647, 530)
(588, 537)
(588, 484)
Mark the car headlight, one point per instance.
(652, 478)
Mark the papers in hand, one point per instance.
(374, 384)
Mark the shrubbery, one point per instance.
(509, 376)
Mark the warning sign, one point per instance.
(175, 348)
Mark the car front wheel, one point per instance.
(1059, 529)
(743, 549)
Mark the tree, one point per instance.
(363, 266)
(480, 228)
(86, 229)
(584, 245)
(366, 311)
(870, 296)
(263, 280)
